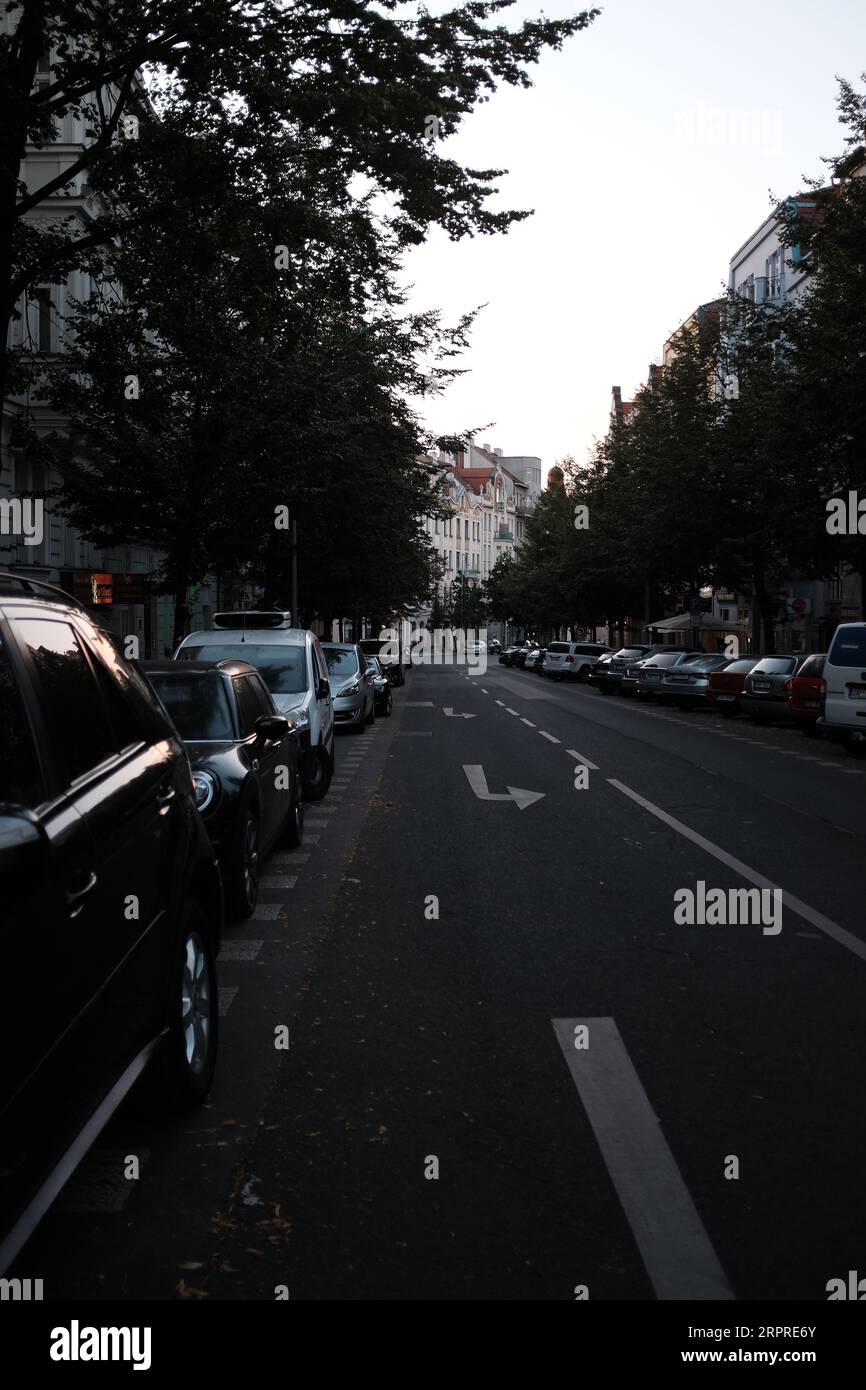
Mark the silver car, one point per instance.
(352, 686)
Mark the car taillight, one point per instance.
(822, 688)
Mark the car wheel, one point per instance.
(371, 717)
(729, 711)
(606, 689)
(809, 728)
(182, 1070)
(294, 831)
(389, 705)
(318, 778)
(242, 871)
(583, 673)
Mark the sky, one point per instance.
(649, 147)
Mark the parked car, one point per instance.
(687, 683)
(110, 900)
(532, 658)
(389, 655)
(351, 686)
(381, 688)
(608, 671)
(508, 657)
(495, 646)
(726, 685)
(292, 665)
(806, 692)
(844, 713)
(572, 659)
(245, 765)
(765, 692)
(643, 678)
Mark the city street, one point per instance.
(510, 1073)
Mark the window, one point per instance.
(134, 715)
(342, 662)
(849, 647)
(282, 668)
(20, 777)
(197, 703)
(249, 704)
(42, 301)
(775, 666)
(812, 666)
(80, 736)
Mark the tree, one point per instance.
(362, 90)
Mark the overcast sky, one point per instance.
(648, 148)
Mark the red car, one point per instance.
(726, 686)
(806, 693)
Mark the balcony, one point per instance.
(503, 535)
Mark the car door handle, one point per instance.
(164, 800)
(75, 897)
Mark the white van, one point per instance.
(844, 712)
(292, 664)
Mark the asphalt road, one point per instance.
(511, 1073)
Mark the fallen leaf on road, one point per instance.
(183, 1290)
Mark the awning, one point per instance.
(684, 622)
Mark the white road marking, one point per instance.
(279, 861)
(448, 711)
(484, 692)
(418, 704)
(509, 710)
(278, 881)
(311, 823)
(267, 912)
(413, 733)
(528, 722)
(549, 737)
(573, 753)
(824, 924)
(310, 839)
(478, 782)
(240, 950)
(675, 1248)
(226, 995)
(501, 704)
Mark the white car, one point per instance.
(572, 659)
(292, 664)
(844, 711)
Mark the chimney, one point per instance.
(498, 453)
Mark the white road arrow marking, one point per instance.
(448, 710)
(478, 782)
(418, 704)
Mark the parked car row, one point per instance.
(137, 802)
(816, 692)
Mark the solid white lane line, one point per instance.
(573, 753)
(528, 722)
(675, 1248)
(549, 737)
(832, 929)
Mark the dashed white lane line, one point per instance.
(278, 881)
(509, 710)
(501, 704)
(240, 950)
(528, 722)
(484, 692)
(675, 1248)
(573, 753)
(309, 839)
(266, 912)
(832, 929)
(280, 861)
(549, 737)
(226, 995)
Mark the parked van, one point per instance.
(844, 710)
(292, 664)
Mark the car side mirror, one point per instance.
(271, 726)
(323, 689)
(22, 844)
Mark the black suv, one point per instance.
(110, 900)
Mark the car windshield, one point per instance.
(282, 668)
(197, 703)
(342, 661)
(775, 666)
(706, 663)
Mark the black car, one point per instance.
(381, 688)
(607, 673)
(110, 900)
(766, 688)
(245, 765)
(507, 655)
(387, 653)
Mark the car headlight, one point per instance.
(205, 787)
(298, 719)
(350, 689)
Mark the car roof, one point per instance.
(339, 646)
(232, 666)
(226, 636)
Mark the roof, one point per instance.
(684, 622)
(226, 636)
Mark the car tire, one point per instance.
(241, 880)
(809, 728)
(182, 1070)
(293, 834)
(315, 788)
(729, 711)
(389, 705)
(583, 673)
(371, 717)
